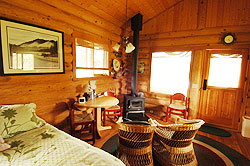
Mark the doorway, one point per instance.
(223, 86)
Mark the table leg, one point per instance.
(98, 134)
(98, 117)
(99, 121)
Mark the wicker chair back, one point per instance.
(172, 144)
(135, 144)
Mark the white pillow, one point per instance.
(18, 118)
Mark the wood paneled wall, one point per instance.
(194, 25)
(51, 91)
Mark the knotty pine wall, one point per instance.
(194, 25)
(51, 91)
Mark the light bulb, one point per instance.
(116, 47)
(129, 48)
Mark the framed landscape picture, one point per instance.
(28, 49)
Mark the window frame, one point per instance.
(165, 95)
(91, 39)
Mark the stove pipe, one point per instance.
(136, 26)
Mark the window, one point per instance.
(91, 59)
(170, 72)
(229, 74)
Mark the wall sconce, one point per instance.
(129, 47)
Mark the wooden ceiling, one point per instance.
(105, 18)
(114, 11)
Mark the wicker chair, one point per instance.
(172, 143)
(135, 143)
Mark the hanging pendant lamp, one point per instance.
(128, 46)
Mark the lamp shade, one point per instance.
(116, 47)
(129, 48)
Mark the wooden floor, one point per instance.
(236, 141)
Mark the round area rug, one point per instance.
(208, 152)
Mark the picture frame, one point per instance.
(141, 65)
(30, 49)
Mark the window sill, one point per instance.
(91, 78)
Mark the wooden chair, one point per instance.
(114, 111)
(83, 119)
(172, 143)
(178, 105)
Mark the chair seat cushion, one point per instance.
(176, 106)
(84, 116)
(115, 107)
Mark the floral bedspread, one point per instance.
(52, 147)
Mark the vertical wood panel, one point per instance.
(227, 104)
(227, 13)
(170, 20)
(177, 15)
(245, 11)
(220, 13)
(212, 9)
(196, 83)
(227, 10)
(202, 11)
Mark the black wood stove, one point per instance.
(133, 106)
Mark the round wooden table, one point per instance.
(99, 103)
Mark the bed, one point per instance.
(34, 142)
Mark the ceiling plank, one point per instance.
(107, 9)
(82, 13)
(59, 15)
